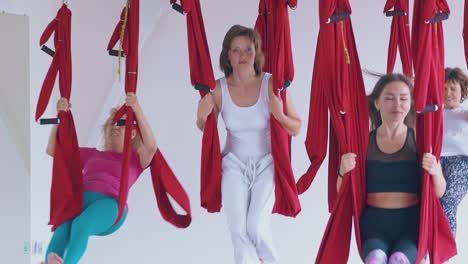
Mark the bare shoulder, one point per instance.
(217, 95)
(217, 88)
(270, 84)
(216, 92)
(271, 87)
(270, 79)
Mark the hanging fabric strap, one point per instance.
(435, 236)
(165, 183)
(337, 87)
(67, 179)
(399, 36)
(273, 26)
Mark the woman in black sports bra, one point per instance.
(390, 221)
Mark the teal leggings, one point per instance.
(70, 239)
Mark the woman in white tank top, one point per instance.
(455, 145)
(245, 100)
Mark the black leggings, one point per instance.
(390, 230)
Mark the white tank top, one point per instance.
(455, 132)
(248, 128)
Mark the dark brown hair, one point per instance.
(456, 75)
(236, 31)
(376, 119)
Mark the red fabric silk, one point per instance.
(67, 179)
(400, 37)
(130, 49)
(435, 236)
(201, 73)
(164, 183)
(164, 179)
(273, 26)
(338, 86)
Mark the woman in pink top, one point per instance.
(101, 178)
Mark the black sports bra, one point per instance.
(395, 172)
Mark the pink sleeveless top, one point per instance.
(102, 171)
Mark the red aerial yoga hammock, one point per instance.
(435, 236)
(400, 35)
(273, 26)
(202, 77)
(67, 179)
(338, 86)
(201, 74)
(164, 180)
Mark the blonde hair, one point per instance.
(136, 141)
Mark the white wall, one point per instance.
(14, 71)
(14, 201)
(170, 103)
(14, 138)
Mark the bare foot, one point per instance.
(54, 259)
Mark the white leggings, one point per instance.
(248, 194)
